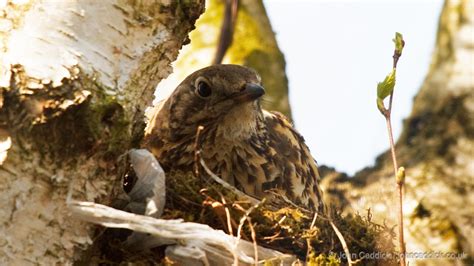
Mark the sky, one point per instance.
(336, 52)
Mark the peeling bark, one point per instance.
(75, 79)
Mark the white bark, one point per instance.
(192, 242)
(60, 63)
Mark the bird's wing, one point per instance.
(292, 156)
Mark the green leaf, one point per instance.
(380, 105)
(385, 87)
(399, 43)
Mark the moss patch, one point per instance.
(74, 119)
(277, 225)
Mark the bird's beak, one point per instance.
(250, 92)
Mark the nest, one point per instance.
(207, 222)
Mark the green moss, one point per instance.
(108, 124)
(277, 225)
(323, 259)
(63, 123)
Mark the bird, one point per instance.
(252, 149)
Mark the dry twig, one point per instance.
(197, 150)
(244, 218)
(226, 185)
(308, 240)
(344, 244)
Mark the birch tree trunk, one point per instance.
(436, 147)
(75, 79)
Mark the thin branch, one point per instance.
(287, 200)
(244, 218)
(197, 151)
(313, 222)
(308, 241)
(400, 181)
(226, 185)
(392, 143)
(399, 188)
(389, 111)
(344, 244)
(254, 240)
(227, 214)
(227, 30)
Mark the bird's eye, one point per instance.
(203, 89)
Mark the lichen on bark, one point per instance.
(73, 96)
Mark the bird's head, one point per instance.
(224, 94)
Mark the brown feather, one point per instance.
(248, 147)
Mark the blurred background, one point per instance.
(334, 65)
(320, 62)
